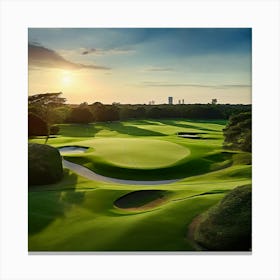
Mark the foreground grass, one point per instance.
(80, 215)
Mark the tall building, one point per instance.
(170, 100)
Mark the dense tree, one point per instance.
(112, 113)
(44, 106)
(81, 114)
(59, 114)
(37, 126)
(103, 113)
(98, 111)
(238, 132)
(132, 112)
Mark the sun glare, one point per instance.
(67, 79)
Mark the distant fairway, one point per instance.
(78, 214)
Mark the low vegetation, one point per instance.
(227, 225)
(44, 164)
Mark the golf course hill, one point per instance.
(134, 185)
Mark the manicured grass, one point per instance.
(136, 153)
(77, 214)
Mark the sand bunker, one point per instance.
(141, 200)
(89, 174)
(72, 150)
(192, 135)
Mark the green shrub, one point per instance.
(44, 164)
(54, 129)
(227, 226)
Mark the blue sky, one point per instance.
(137, 65)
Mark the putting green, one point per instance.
(139, 153)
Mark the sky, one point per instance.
(140, 65)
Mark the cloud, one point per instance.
(114, 51)
(159, 69)
(89, 51)
(40, 56)
(223, 86)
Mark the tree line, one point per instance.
(46, 110)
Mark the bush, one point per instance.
(227, 226)
(44, 165)
(54, 129)
(36, 126)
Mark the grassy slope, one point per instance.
(77, 214)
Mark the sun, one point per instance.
(67, 78)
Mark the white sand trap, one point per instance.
(72, 150)
(87, 173)
(188, 136)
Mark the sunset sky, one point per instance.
(138, 65)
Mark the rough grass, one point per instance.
(76, 214)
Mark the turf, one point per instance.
(77, 214)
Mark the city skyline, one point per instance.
(137, 65)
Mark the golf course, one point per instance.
(133, 185)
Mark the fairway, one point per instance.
(83, 214)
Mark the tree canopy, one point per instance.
(238, 132)
(81, 114)
(42, 104)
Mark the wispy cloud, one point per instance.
(40, 56)
(159, 69)
(114, 51)
(164, 84)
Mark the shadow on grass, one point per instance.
(181, 169)
(90, 130)
(175, 123)
(130, 129)
(46, 205)
(79, 130)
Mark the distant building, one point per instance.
(170, 100)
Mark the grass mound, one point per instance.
(138, 199)
(44, 165)
(227, 225)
